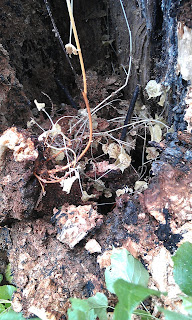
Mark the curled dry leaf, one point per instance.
(140, 186)
(119, 192)
(162, 99)
(108, 193)
(152, 153)
(85, 196)
(112, 149)
(99, 185)
(153, 89)
(123, 161)
(115, 151)
(156, 133)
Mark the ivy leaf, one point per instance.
(2, 307)
(125, 266)
(143, 314)
(187, 304)
(76, 315)
(79, 304)
(182, 270)
(170, 315)
(80, 310)
(8, 275)
(11, 315)
(130, 295)
(99, 303)
(6, 292)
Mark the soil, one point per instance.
(46, 232)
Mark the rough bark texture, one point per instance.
(141, 23)
(14, 106)
(35, 52)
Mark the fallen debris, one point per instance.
(74, 223)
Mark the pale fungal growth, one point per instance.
(53, 132)
(22, 146)
(71, 49)
(30, 123)
(184, 60)
(40, 105)
(66, 183)
(153, 89)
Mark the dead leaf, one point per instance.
(156, 133)
(152, 153)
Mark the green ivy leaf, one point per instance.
(76, 315)
(182, 270)
(187, 304)
(99, 304)
(130, 295)
(79, 304)
(6, 292)
(170, 315)
(8, 275)
(11, 315)
(2, 307)
(1, 277)
(80, 310)
(125, 266)
(144, 314)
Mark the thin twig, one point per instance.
(129, 113)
